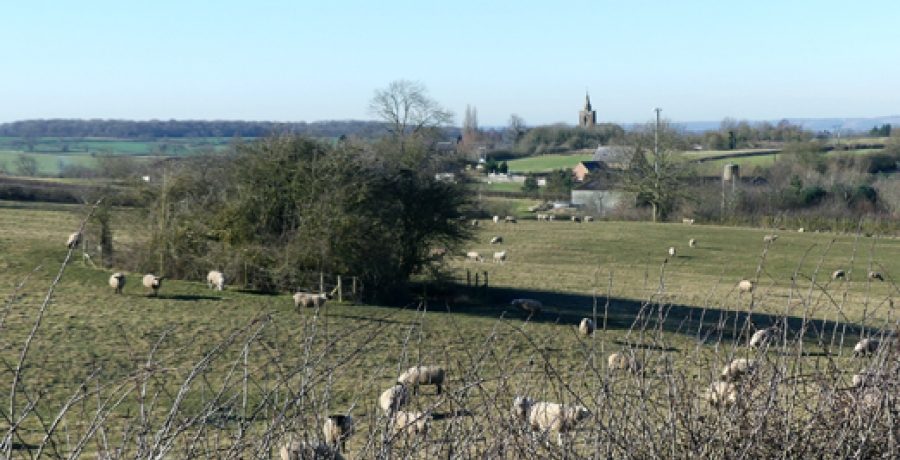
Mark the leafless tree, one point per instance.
(407, 110)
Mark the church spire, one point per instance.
(587, 102)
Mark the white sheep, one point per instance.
(302, 450)
(474, 256)
(763, 337)
(801, 230)
(499, 257)
(496, 219)
(551, 217)
(692, 243)
(745, 286)
(621, 361)
(530, 306)
(866, 347)
(770, 238)
(497, 239)
(838, 274)
(423, 375)
(337, 429)
(547, 416)
(588, 218)
(411, 423)
(541, 217)
(738, 369)
(309, 300)
(586, 327)
(672, 251)
(576, 219)
(876, 276)
(721, 394)
(510, 220)
(687, 221)
(73, 240)
(117, 282)
(473, 222)
(215, 280)
(392, 399)
(153, 283)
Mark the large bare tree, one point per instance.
(407, 110)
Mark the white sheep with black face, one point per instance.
(392, 399)
(423, 375)
(117, 282)
(547, 416)
(738, 369)
(586, 327)
(153, 283)
(337, 429)
(215, 280)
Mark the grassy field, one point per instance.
(241, 370)
(545, 163)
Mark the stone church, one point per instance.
(587, 117)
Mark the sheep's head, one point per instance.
(581, 413)
(521, 405)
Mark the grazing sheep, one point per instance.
(497, 239)
(392, 399)
(153, 283)
(876, 276)
(474, 256)
(117, 282)
(474, 222)
(687, 221)
(551, 217)
(309, 300)
(337, 429)
(621, 361)
(672, 251)
(838, 274)
(866, 347)
(801, 230)
(215, 279)
(302, 450)
(864, 378)
(510, 220)
(770, 238)
(738, 369)
(547, 416)
(541, 217)
(745, 286)
(692, 243)
(73, 240)
(423, 375)
(496, 219)
(576, 219)
(588, 218)
(530, 306)
(721, 394)
(586, 327)
(763, 337)
(499, 257)
(411, 423)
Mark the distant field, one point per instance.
(545, 163)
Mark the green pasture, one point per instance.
(546, 163)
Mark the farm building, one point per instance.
(614, 156)
(586, 168)
(601, 194)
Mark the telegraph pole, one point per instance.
(656, 159)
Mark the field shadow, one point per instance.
(186, 297)
(369, 319)
(644, 346)
(704, 324)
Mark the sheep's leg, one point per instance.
(438, 388)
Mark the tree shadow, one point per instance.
(185, 297)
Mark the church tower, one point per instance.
(587, 118)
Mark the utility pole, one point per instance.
(656, 161)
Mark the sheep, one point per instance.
(746, 286)
(153, 283)
(392, 399)
(411, 423)
(588, 218)
(838, 274)
(876, 276)
(801, 230)
(117, 282)
(497, 239)
(473, 222)
(863, 379)
(586, 327)
(215, 280)
(738, 369)
(621, 361)
(687, 221)
(721, 394)
(302, 450)
(437, 253)
(309, 300)
(474, 256)
(530, 306)
(499, 257)
(541, 217)
(423, 375)
(551, 217)
(866, 346)
(770, 238)
(672, 251)
(510, 220)
(692, 243)
(74, 239)
(337, 429)
(763, 337)
(576, 219)
(496, 219)
(547, 416)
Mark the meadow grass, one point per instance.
(196, 372)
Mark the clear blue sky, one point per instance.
(315, 60)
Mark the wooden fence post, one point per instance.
(339, 295)
(485, 278)
(321, 282)
(468, 277)
(476, 279)
(353, 289)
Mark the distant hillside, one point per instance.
(155, 129)
(860, 125)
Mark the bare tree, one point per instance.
(408, 111)
(515, 128)
(656, 173)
